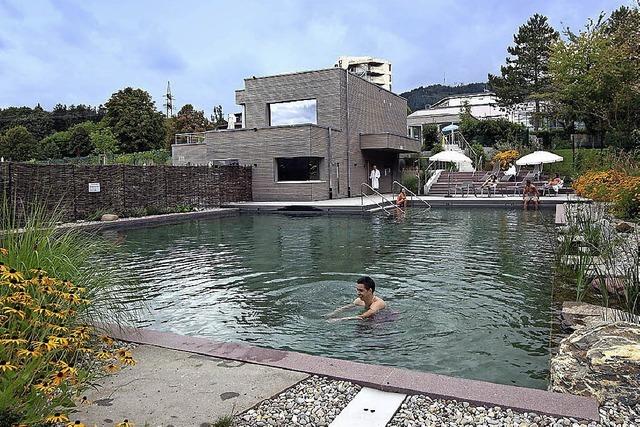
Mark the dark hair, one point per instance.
(557, 175)
(528, 182)
(367, 282)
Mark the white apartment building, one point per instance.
(375, 70)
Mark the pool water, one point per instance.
(468, 290)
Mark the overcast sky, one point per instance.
(74, 52)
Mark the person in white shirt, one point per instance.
(374, 176)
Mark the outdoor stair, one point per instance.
(451, 180)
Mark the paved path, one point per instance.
(169, 387)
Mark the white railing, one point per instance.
(380, 205)
(189, 138)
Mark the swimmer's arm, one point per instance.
(346, 307)
(375, 307)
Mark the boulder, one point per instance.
(624, 227)
(108, 217)
(601, 361)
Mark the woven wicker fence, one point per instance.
(123, 189)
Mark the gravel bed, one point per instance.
(419, 410)
(315, 401)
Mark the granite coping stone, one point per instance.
(384, 378)
(152, 220)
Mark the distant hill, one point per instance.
(422, 97)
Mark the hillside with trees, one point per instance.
(419, 98)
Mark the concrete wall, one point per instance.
(371, 109)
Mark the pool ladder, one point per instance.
(380, 205)
(409, 192)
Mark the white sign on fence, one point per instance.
(94, 187)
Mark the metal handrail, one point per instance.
(410, 192)
(362, 196)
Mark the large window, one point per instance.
(293, 113)
(298, 168)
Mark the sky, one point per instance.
(81, 52)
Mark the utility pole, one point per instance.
(169, 101)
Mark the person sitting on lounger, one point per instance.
(491, 183)
(554, 183)
(530, 194)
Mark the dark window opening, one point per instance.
(298, 169)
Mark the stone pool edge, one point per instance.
(376, 376)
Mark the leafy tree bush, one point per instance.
(134, 120)
(429, 137)
(104, 141)
(189, 119)
(18, 144)
(79, 142)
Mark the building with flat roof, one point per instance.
(309, 136)
(375, 70)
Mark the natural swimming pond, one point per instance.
(469, 290)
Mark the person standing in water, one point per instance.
(365, 288)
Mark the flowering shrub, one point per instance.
(47, 355)
(618, 188)
(505, 157)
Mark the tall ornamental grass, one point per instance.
(53, 291)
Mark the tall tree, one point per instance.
(134, 120)
(37, 121)
(217, 118)
(18, 144)
(189, 119)
(80, 142)
(596, 76)
(525, 77)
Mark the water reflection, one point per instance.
(468, 289)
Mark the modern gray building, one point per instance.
(310, 135)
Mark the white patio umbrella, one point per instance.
(450, 128)
(538, 158)
(450, 157)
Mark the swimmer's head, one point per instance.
(365, 286)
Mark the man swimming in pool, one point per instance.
(365, 287)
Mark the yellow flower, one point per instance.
(14, 312)
(58, 378)
(103, 355)
(7, 366)
(76, 423)
(128, 361)
(66, 368)
(44, 387)
(12, 273)
(4, 252)
(105, 339)
(29, 352)
(13, 340)
(112, 368)
(122, 353)
(58, 417)
(125, 423)
(84, 400)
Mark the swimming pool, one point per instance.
(469, 290)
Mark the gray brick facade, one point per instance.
(347, 107)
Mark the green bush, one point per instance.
(410, 180)
(627, 204)
(429, 137)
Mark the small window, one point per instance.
(293, 113)
(298, 168)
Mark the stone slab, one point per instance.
(370, 408)
(169, 387)
(380, 377)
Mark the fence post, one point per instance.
(73, 179)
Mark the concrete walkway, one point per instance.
(175, 388)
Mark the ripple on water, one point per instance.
(468, 290)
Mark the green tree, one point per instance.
(79, 142)
(525, 77)
(134, 120)
(104, 141)
(429, 137)
(36, 120)
(189, 120)
(217, 118)
(54, 146)
(596, 76)
(170, 132)
(18, 144)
